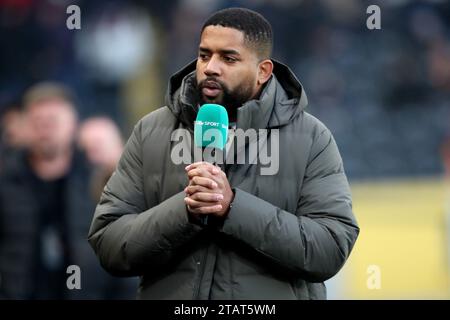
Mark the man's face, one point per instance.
(52, 124)
(227, 69)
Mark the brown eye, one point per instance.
(229, 59)
(203, 56)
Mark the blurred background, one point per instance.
(385, 95)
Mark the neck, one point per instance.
(51, 167)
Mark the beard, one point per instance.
(230, 99)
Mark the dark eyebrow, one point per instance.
(223, 52)
(204, 49)
(229, 51)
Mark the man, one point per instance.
(45, 209)
(102, 142)
(273, 236)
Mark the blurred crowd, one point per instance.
(52, 172)
(68, 97)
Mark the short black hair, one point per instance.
(257, 30)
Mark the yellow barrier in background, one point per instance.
(402, 250)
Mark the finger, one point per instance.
(206, 197)
(204, 172)
(195, 165)
(191, 189)
(194, 204)
(199, 171)
(213, 169)
(205, 165)
(205, 182)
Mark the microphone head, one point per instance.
(211, 126)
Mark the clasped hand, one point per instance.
(209, 191)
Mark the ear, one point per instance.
(265, 69)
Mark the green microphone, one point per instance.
(211, 127)
(210, 134)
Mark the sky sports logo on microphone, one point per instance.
(210, 123)
(243, 147)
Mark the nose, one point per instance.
(213, 67)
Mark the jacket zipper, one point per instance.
(202, 271)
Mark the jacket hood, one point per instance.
(281, 100)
